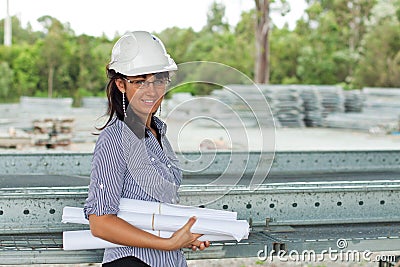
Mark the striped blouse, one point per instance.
(129, 162)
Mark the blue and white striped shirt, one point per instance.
(129, 164)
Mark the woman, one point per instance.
(133, 158)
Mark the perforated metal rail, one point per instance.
(309, 202)
(209, 163)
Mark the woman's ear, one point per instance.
(120, 84)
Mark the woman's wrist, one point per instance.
(171, 243)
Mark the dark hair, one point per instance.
(114, 95)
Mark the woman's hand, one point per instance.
(116, 230)
(184, 238)
(203, 245)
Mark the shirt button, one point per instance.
(169, 165)
(152, 159)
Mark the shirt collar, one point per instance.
(139, 128)
(159, 125)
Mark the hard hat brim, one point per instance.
(147, 70)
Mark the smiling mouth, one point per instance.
(149, 102)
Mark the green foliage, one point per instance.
(380, 64)
(26, 74)
(177, 41)
(19, 34)
(285, 50)
(40, 94)
(6, 76)
(353, 43)
(215, 19)
(185, 88)
(397, 8)
(332, 41)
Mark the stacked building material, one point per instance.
(354, 101)
(332, 99)
(312, 103)
(286, 104)
(380, 111)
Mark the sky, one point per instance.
(95, 17)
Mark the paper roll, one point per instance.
(160, 219)
(236, 229)
(141, 206)
(83, 239)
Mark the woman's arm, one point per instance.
(116, 230)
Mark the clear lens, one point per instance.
(158, 83)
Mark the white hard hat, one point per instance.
(140, 52)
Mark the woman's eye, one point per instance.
(140, 82)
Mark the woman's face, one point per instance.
(144, 93)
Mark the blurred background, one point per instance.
(329, 72)
(333, 66)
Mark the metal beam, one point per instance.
(309, 201)
(47, 248)
(28, 210)
(210, 163)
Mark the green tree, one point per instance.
(19, 34)
(6, 78)
(54, 52)
(285, 50)
(26, 72)
(88, 75)
(178, 42)
(261, 72)
(380, 52)
(333, 30)
(216, 21)
(262, 38)
(317, 62)
(245, 43)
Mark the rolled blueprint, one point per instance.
(81, 240)
(160, 219)
(236, 229)
(142, 206)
